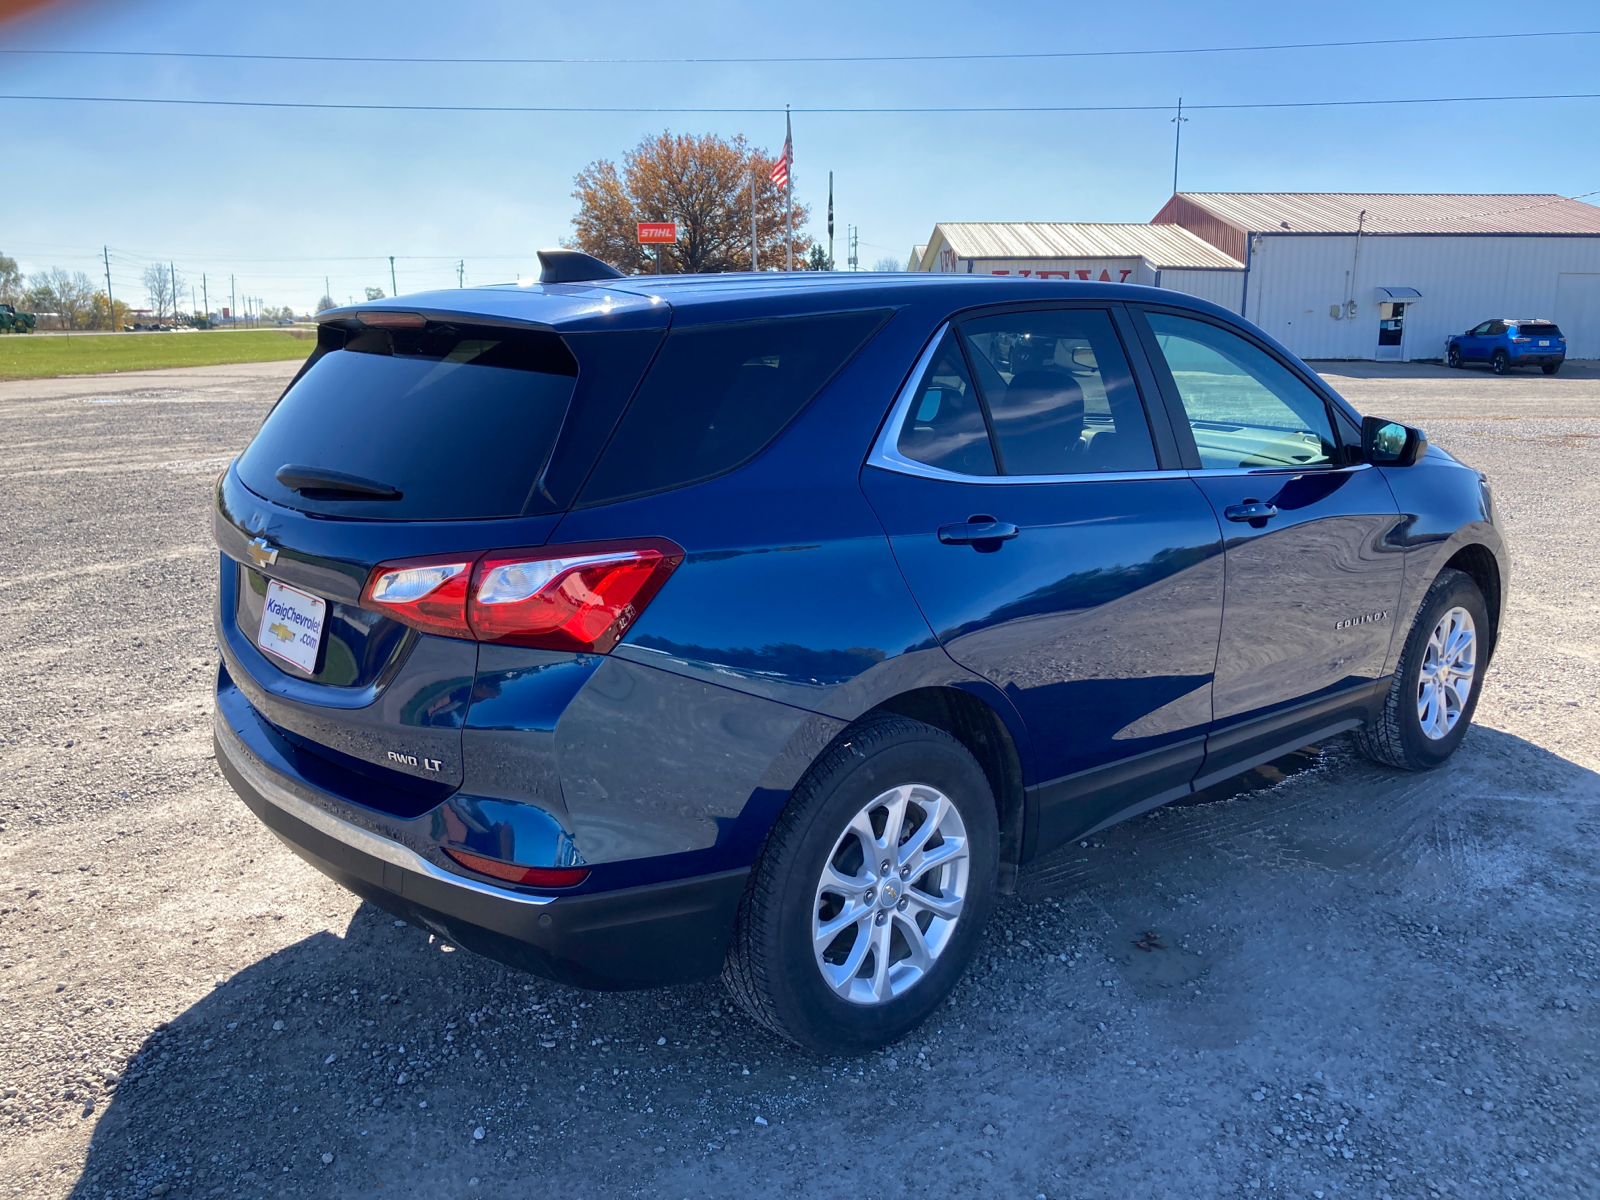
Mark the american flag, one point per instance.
(780, 169)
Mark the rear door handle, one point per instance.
(981, 530)
(1251, 510)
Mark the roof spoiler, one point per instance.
(573, 266)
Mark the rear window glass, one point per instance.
(1538, 329)
(717, 395)
(459, 420)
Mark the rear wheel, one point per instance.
(1551, 368)
(1453, 356)
(873, 889)
(1436, 686)
(1501, 362)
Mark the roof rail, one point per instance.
(573, 266)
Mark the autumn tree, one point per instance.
(702, 183)
(10, 280)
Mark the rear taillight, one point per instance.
(557, 877)
(580, 597)
(429, 594)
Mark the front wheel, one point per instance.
(1436, 686)
(1551, 368)
(1453, 356)
(1501, 362)
(872, 891)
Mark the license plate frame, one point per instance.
(292, 625)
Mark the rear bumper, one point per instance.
(649, 936)
(1536, 360)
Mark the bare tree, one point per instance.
(375, 294)
(326, 303)
(158, 287)
(888, 264)
(68, 294)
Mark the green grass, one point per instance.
(33, 356)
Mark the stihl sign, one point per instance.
(656, 232)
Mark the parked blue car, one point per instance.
(635, 630)
(1507, 342)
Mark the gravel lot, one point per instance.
(1370, 984)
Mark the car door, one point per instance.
(1312, 562)
(1040, 522)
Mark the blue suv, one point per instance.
(635, 630)
(1508, 342)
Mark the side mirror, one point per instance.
(1390, 444)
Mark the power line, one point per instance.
(822, 111)
(808, 58)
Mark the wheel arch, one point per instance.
(978, 727)
(1478, 562)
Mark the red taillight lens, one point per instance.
(515, 873)
(429, 594)
(576, 597)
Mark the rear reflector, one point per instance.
(514, 873)
(579, 597)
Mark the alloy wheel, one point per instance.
(1448, 665)
(891, 894)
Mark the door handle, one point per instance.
(981, 531)
(1251, 510)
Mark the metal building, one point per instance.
(1390, 276)
(1156, 255)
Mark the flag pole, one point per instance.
(755, 255)
(830, 220)
(788, 145)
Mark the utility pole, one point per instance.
(855, 246)
(461, 273)
(1177, 142)
(394, 288)
(233, 296)
(172, 274)
(111, 304)
(206, 296)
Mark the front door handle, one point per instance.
(1251, 510)
(980, 530)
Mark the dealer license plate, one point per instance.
(291, 625)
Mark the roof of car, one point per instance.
(646, 301)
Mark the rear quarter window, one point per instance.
(717, 395)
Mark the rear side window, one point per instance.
(1059, 392)
(459, 420)
(945, 426)
(717, 395)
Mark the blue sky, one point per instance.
(281, 199)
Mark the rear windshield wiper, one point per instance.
(319, 483)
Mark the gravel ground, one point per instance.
(1359, 983)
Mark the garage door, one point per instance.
(1578, 314)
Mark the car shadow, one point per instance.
(383, 1061)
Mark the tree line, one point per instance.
(72, 300)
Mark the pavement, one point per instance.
(1326, 979)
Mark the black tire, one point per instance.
(1500, 363)
(1396, 737)
(1453, 357)
(1550, 368)
(772, 969)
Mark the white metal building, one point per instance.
(1155, 255)
(1390, 276)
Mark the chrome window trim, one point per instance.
(886, 453)
(362, 840)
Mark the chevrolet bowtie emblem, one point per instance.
(263, 554)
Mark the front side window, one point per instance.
(1246, 409)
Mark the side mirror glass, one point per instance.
(1387, 443)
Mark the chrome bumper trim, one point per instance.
(364, 840)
